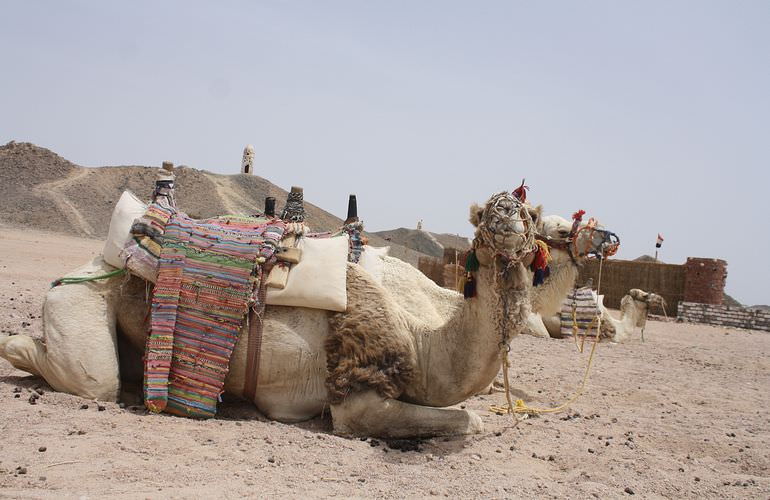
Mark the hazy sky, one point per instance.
(651, 116)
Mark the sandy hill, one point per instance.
(42, 190)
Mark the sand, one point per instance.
(684, 414)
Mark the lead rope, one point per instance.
(521, 406)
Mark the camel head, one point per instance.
(580, 239)
(504, 228)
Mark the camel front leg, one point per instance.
(535, 326)
(80, 354)
(369, 414)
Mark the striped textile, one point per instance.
(207, 276)
(584, 302)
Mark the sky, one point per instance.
(652, 116)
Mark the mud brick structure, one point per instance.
(443, 271)
(736, 317)
(620, 276)
(704, 280)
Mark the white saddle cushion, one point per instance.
(128, 209)
(319, 279)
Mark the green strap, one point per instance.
(70, 280)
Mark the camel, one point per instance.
(633, 314)
(384, 368)
(547, 298)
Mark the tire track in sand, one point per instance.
(53, 190)
(231, 199)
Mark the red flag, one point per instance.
(659, 241)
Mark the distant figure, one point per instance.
(247, 165)
(419, 225)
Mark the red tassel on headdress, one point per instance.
(578, 216)
(521, 192)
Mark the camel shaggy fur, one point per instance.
(383, 367)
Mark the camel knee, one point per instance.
(369, 414)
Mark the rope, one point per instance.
(72, 280)
(520, 406)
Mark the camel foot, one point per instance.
(20, 351)
(369, 414)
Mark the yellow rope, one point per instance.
(520, 406)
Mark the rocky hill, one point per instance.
(42, 190)
(425, 242)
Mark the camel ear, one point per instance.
(536, 213)
(477, 212)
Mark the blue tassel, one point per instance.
(469, 290)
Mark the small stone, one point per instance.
(101, 408)
(42, 449)
(629, 490)
(271, 460)
(498, 433)
(121, 405)
(16, 390)
(697, 479)
(551, 458)
(361, 480)
(374, 443)
(591, 450)
(42, 478)
(21, 470)
(17, 396)
(84, 407)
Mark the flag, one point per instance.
(659, 241)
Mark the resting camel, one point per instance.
(633, 314)
(383, 368)
(569, 247)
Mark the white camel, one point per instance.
(567, 255)
(385, 368)
(634, 309)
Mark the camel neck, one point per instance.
(463, 357)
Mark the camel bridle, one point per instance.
(505, 208)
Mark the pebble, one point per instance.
(591, 450)
(101, 408)
(42, 449)
(629, 490)
(271, 460)
(84, 407)
(21, 470)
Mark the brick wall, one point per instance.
(738, 317)
(704, 280)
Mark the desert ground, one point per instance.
(684, 414)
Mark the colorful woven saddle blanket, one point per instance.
(207, 274)
(583, 302)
